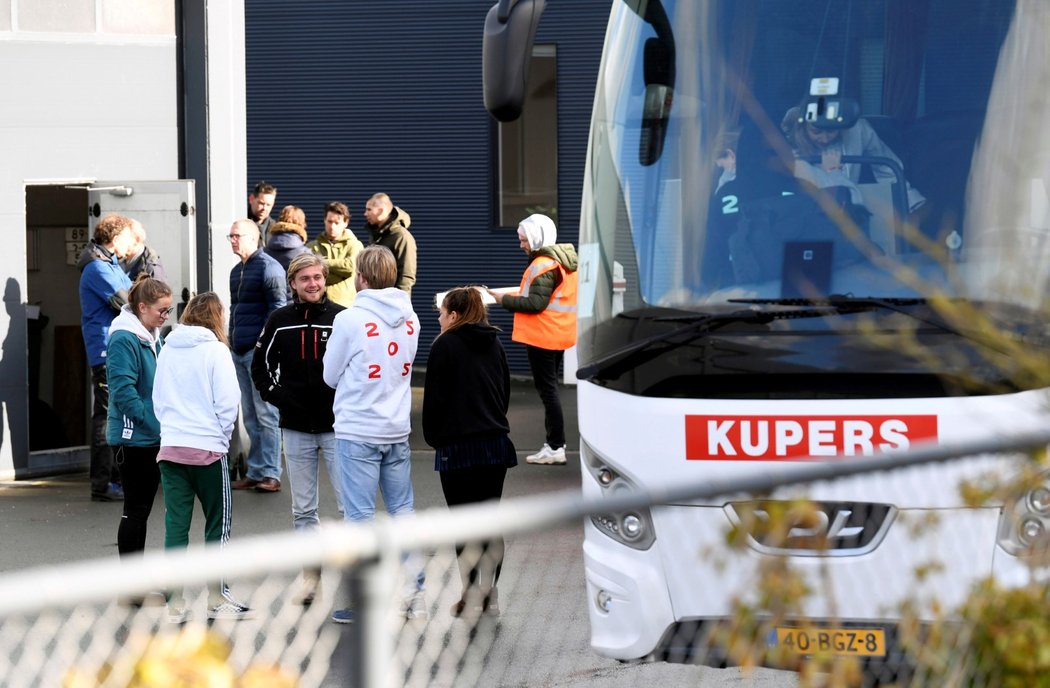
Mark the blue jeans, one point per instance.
(364, 467)
(260, 421)
(300, 451)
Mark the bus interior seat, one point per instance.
(937, 156)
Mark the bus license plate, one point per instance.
(858, 642)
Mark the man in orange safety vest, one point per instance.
(545, 321)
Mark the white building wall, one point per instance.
(89, 91)
(228, 137)
(79, 103)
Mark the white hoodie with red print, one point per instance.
(369, 364)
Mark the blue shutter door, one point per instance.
(346, 99)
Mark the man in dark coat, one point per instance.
(387, 225)
(142, 259)
(260, 207)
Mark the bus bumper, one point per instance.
(630, 585)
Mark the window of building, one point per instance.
(528, 147)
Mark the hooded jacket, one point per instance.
(103, 290)
(466, 393)
(131, 363)
(288, 363)
(395, 236)
(545, 306)
(195, 391)
(287, 240)
(341, 256)
(539, 230)
(369, 364)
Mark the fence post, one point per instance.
(371, 586)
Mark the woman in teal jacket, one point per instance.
(133, 430)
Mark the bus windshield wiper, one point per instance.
(700, 324)
(846, 303)
(696, 326)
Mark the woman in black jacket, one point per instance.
(465, 400)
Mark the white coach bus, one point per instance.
(810, 228)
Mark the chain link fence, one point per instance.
(104, 623)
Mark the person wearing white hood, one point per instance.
(369, 364)
(132, 428)
(195, 397)
(545, 321)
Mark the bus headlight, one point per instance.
(1039, 500)
(1030, 532)
(632, 528)
(1024, 523)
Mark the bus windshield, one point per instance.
(771, 152)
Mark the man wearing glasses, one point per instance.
(257, 288)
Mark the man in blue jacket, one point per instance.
(103, 290)
(257, 288)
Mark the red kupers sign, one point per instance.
(777, 438)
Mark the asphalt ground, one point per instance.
(544, 636)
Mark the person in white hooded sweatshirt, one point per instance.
(369, 364)
(195, 397)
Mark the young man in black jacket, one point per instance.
(288, 372)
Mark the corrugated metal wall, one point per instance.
(349, 98)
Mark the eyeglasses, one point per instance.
(235, 237)
(166, 311)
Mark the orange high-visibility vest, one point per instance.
(554, 327)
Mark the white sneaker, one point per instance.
(547, 456)
(178, 615)
(228, 609)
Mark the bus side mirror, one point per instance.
(510, 28)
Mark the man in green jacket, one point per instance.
(339, 247)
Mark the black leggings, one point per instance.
(138, 468)
(469, 486)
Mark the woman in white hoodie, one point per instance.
(195, 396)
(132, 428)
